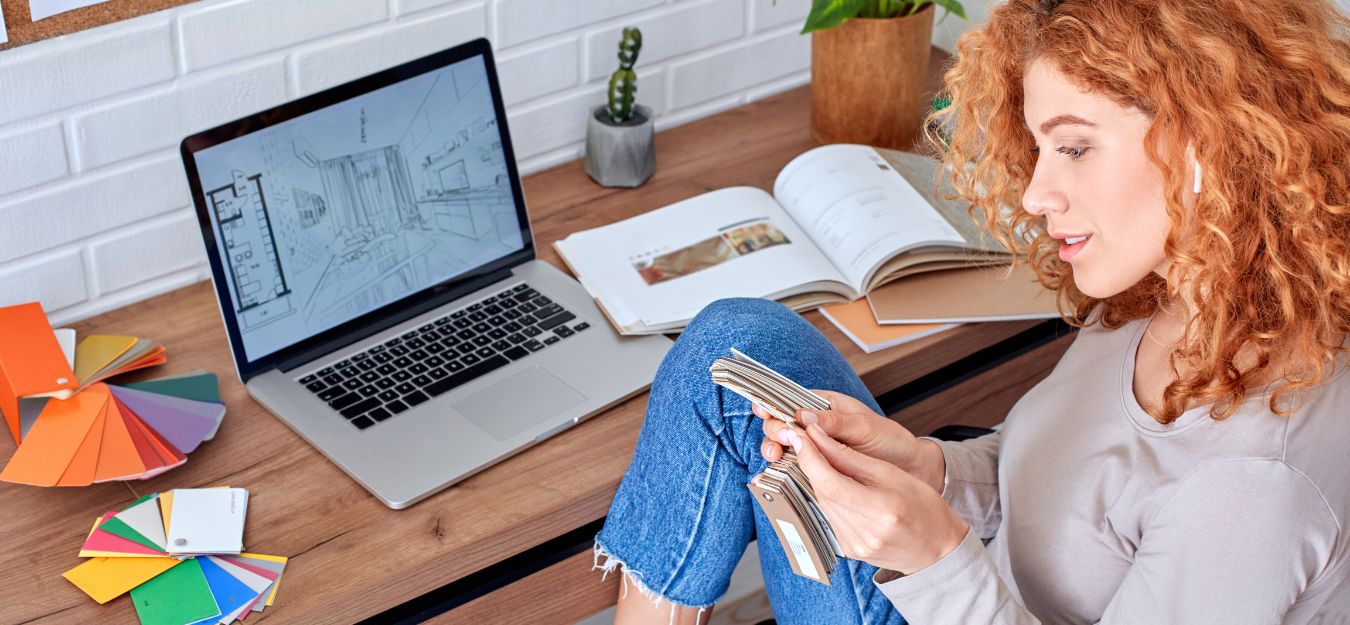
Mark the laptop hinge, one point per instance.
(328, 347)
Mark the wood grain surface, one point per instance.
(351, 557)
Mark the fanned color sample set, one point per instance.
(782, 490)
(180, 555)
(73, 429)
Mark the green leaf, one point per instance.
(830, 13)
(951, 6)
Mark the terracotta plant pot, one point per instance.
(867, 80)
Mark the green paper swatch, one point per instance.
(177, 596)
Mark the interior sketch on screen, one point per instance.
(328, 216)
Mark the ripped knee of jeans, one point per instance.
(606, 562)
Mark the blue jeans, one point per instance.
(682, 516)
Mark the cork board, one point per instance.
(22, 29)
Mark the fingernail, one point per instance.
(793, 438)
(783, 436)
(810, 418)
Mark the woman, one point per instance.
(1183, 463)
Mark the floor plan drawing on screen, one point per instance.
(338, 212)
(251, 250)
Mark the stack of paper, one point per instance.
(782, 490)
(917, 306)
(72, 428)
(157, 549)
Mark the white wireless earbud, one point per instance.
(1197, 177)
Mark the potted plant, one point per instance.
(620, 151)
(869, 59)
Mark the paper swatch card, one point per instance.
(177, 596)
(32, 363)
(125, 556)
(108, 432)
(207, 520)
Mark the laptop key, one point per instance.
(549, 340)
(368, 390)
(360, 408)
(379, 414)
(384, 383)
(419, 355)
(478, 370)
(332, 379)
(497, 333)
(325, 371)
(527, 320)
(435, 361)
(501, 345)
(386, 369)
(555, 320)
(464, 348)
(470, 359)
(516, 338)
(332, 393)
(383, 357)
(404, 388)
(309, 378)
(369, 376)
(438, 373)
(442, 321)
(531, 331)
(344, 401)
(455, 366)
(418, 368)
(415, 397)
(316, 386)
(512, 314)
(485, 352)
(362, 422)
(388, 395)
(401, 376)
(533, 345)
(563, 331)
(396, 406)
(520, 287)
(481, 340)
(516, 353)
(581, 326)
(422, 380)
(353, 384)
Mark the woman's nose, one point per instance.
(1042, 195)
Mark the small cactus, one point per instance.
(623, 82)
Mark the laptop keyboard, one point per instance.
(404, 371)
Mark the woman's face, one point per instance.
(1092, 177)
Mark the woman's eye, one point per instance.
(1073, 152)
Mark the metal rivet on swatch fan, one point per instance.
(767, 496)
(179, 542)
(61, 380)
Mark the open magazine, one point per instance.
(841, 221)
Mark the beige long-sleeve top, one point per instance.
(1096, 513)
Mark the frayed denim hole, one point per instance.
(635, 577)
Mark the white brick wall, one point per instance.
(94, 209)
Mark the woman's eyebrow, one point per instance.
(1064, 120)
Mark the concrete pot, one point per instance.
(867, 80)
(620, 155)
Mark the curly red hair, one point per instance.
(1263, 90)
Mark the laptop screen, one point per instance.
(349, 208)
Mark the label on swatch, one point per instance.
(798, 548)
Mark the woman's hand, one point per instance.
(880, 514)
(856, 425)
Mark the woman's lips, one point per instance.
(1067, 252)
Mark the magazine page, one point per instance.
(858, 210)
(667, 264)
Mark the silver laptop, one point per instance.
(376, 272)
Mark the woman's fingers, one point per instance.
(851, 462)
(773, 452)
(829, 484)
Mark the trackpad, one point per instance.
(518, 403)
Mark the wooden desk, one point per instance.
(352, 558)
